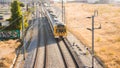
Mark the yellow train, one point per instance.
(58, 28)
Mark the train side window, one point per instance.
(60, 30)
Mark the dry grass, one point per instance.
(107, 39)
(7, 60)
(7, 52)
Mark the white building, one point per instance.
(92, 1)
(117, 1)
(109, 1)
(3, 1)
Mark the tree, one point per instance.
(16, 16)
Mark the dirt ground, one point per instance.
(7, 52)
(107, 39)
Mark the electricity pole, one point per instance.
(93, 16)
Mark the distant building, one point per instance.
(5, 1)
(105, 1)
(109, 1)
(92, 1)
(5, 23)
(117, 1)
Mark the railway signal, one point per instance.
(93, 16)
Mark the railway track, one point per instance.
(40, 60)
(52, 53)
(49, 52)
(74, 55)
(41, 52)
(67, 56)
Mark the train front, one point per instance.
(60, 30)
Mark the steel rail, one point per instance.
(73, 54)
(45, 43)
(61, 53)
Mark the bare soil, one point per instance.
(7, 52)
(107, 39)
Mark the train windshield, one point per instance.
(60, 30)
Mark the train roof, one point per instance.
(54, 19)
